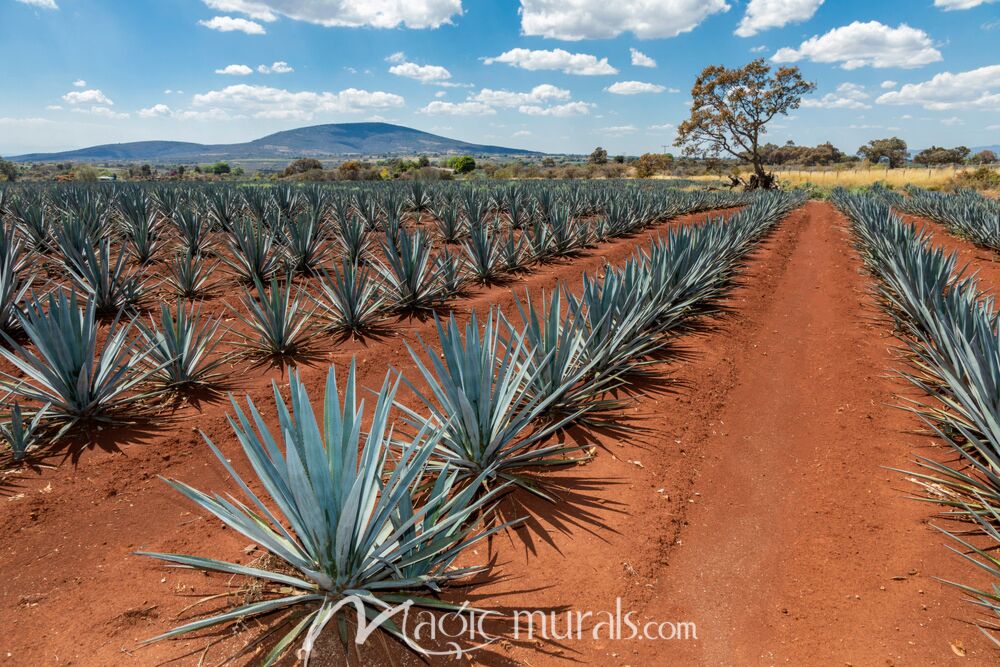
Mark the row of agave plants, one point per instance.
(315, 270)
(966, 213)
(380, 510)
(950, 329)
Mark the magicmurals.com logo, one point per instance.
(465, 629)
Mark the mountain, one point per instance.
(335, 140)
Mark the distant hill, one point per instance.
(335, 140)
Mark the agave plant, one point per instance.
(514, 254)
(479, 398)
(560, 356)
(353, 238)
(142, 224)
(413, 280)
(277, 321)
(189, 275)
(194, 230)
(306, 244)
(451, 268)
(110, 284)
(180, 347)
(450, 224)
(482, 254)
(347, 526)
(20, 433)
(350, 300)
(253, 255)
(68, 368)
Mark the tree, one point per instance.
(939, 155)
(301, 166)
(984, 157)
(220, 168)
(8, 170)
(599, 156)
(463, 165)
(892, 149)
(652, 163)
(730, 110)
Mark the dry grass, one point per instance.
(862, 177)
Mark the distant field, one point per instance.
(848, 178)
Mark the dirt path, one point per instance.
(801, 548)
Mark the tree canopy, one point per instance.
(892, 149)
(730, 110)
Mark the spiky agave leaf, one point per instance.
(22, 434)
(81, 378)
(254, 258)
(110, 284)
(277, 321)
(451, 268)
(189, 275)
(353, 238)
(357, 526)
(477, 395)
(305, 243)
(413, 280)
(194, 230)
(482, 253)
(349, 299)
(142, 224)
(558, 355)
(181, 347)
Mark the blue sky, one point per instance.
(550, 75)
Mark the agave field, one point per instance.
(385, 384)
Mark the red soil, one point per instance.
(751, 498)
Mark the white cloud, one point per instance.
(276, 103)
(348, 13)
(640, 59)
(437, 108)
(230, 24)
(559, 111)
(396, 57)
(92, 96)
(433, 74)
(155, 111)
(79, 83)
(278, 67)
(975, 89)
(634, 88)
(25, 122)
(763, 15)
(951, 122)
(440, 93)
(542, 93)
(618, 130)
(888, 85)
(556, 59)
(662, 128)
(949, 5)
(848, 96)
(54, 107)
(203, 115)
(235, 70)
(104, 112)
(600, 19)
(870, 44)
(42, 4)
(522, 133)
